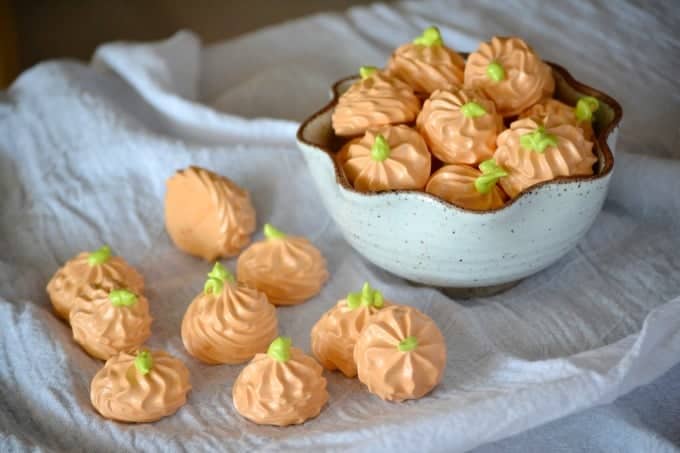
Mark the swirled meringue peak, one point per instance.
(141, 387)
(228, 322)
(335, 334)
(106, 323)
(509, 72)
(288, 269)
(387, 158)
(427, 64)
(468, 187)
(460, 127)
(282, 387)
(532, 152)
(207, 215)
(88, 272)
(553, 112)
(400, 354)
(376, 100)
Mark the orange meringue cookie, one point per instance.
(288, 269)
(282, 387)
(468, 187)
(335, 334)
(388, 158)
(460, 127)
(207, 215)
(110, 322)
(88, 272)
(376, 100)
(228, 322)
(553, 112)
(140, 388)
(400, 354)
(427, 64)
(532, 153)
(509, 72)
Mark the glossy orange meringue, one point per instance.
(460, 127)
(400, 354)
(555, 113)
(288, 269)
(228, 322)
(468, 187)
(207, 215)
(140, 388)
(532, 153)
(282, 387)
(509, 72)
(335, 334)
(88, 272)
(388, 158)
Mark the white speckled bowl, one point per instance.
(427, 240)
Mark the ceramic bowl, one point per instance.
(424, 239)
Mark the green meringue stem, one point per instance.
(279, 349)
(144, 362)
(99, 256)
(216, 279)
(408, 344)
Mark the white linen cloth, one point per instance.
(84, 153)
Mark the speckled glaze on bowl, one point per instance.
(429, 241)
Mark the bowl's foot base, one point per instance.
(482, 291)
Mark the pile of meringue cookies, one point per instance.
(488, 127)
(397, 352)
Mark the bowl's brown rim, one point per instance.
(601, 140)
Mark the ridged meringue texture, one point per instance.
(457, 185)
(387, 158)
(374, 101)
(282, 387)
(400, 354)
(207, 215)
(88, 272)
(333, 337)
(427, 64)
(228, 322)
(110, 322)
(140, 388)
(509, 72)
(288, 269)
(553, 112)
(461, 126)
(531, 153)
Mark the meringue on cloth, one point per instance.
(282, 387)
(509, 72)
(376, 100)
(556, 112)
(333, 337)
(141, 387)
(400, 354)
(532, 152)
(461, 126)
(468, 187)
(207, 215)
(288, 269)
(110, 322)
(88, 272)
(427, 64)
(388, 158)
(228, 322)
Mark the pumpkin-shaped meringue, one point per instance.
(376, 100)
(509, 72)
(140, 388)
(460, 127)
(532, 153)
(207, 215)
(427, 64)
(389, 158)
(88, 272)
(288, 269)
(228, 322)
(551, 111)
(335, 334)
(468, 187)
(282, 387)
(111, 322)
(400, 354)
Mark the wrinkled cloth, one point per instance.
(85, 151)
